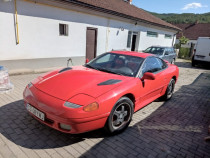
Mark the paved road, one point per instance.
(162, 129)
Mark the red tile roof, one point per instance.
(193, 31)
(123, 9)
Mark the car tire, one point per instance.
(120, 116)
(173, 61)
(170, 90)
(193, 62)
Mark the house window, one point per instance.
(129, 39)
(168, 36)
(63, 29)
(152, 34)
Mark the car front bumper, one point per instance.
(56, 113)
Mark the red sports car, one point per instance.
(102, 93)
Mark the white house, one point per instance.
(38, 34)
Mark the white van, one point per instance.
(202, 51)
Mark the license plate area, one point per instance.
(200, 56)
(35, 112)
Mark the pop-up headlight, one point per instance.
(71, 105)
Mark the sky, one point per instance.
(174, 6)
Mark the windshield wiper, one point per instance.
(102, 69)
(109, 71)
(89, 66)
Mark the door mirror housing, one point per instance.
(148, 76)
(86, 61)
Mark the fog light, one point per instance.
(65, 127)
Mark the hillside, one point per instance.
(184, 18)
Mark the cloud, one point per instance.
(193, 6)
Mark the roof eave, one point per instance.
(85, 5)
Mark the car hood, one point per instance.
(78, 80)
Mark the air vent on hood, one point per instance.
(65, 69)
(109, 82)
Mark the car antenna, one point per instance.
(70, 59)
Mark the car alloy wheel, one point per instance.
(170, 89)
(120, 116)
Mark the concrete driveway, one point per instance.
(175, 128)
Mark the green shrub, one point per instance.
(176, 46)
(184, 53)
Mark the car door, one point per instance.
(167, 54)
(152, 89)
(173, 54)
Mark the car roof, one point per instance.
(131, 53)
(161, 46)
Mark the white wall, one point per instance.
(39, 32)
(146, 41)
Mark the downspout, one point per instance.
(173, 40)
(107, 35)
(16, 24)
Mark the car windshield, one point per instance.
(120, 64)
(155, 50)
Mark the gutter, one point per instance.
(85, 5)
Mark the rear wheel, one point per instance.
(193, 62)
(173, 61)
(120, 116)
(170, 90)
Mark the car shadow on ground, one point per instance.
(189, 65)
(17, 125)
(178, 127)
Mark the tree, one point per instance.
(183, 40)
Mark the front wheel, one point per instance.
(120, 116)
(170, 90)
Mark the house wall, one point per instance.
(188, 44)
(146, 41)
(40, 39)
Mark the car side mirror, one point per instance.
(148, 76)
(86, 61)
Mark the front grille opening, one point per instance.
(49, 121)
(64, 127)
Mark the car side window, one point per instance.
(172, 51)
(167, 51)
(152, 64)
(162, 63)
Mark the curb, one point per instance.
(31, 71)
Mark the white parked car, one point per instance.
(202, 51)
